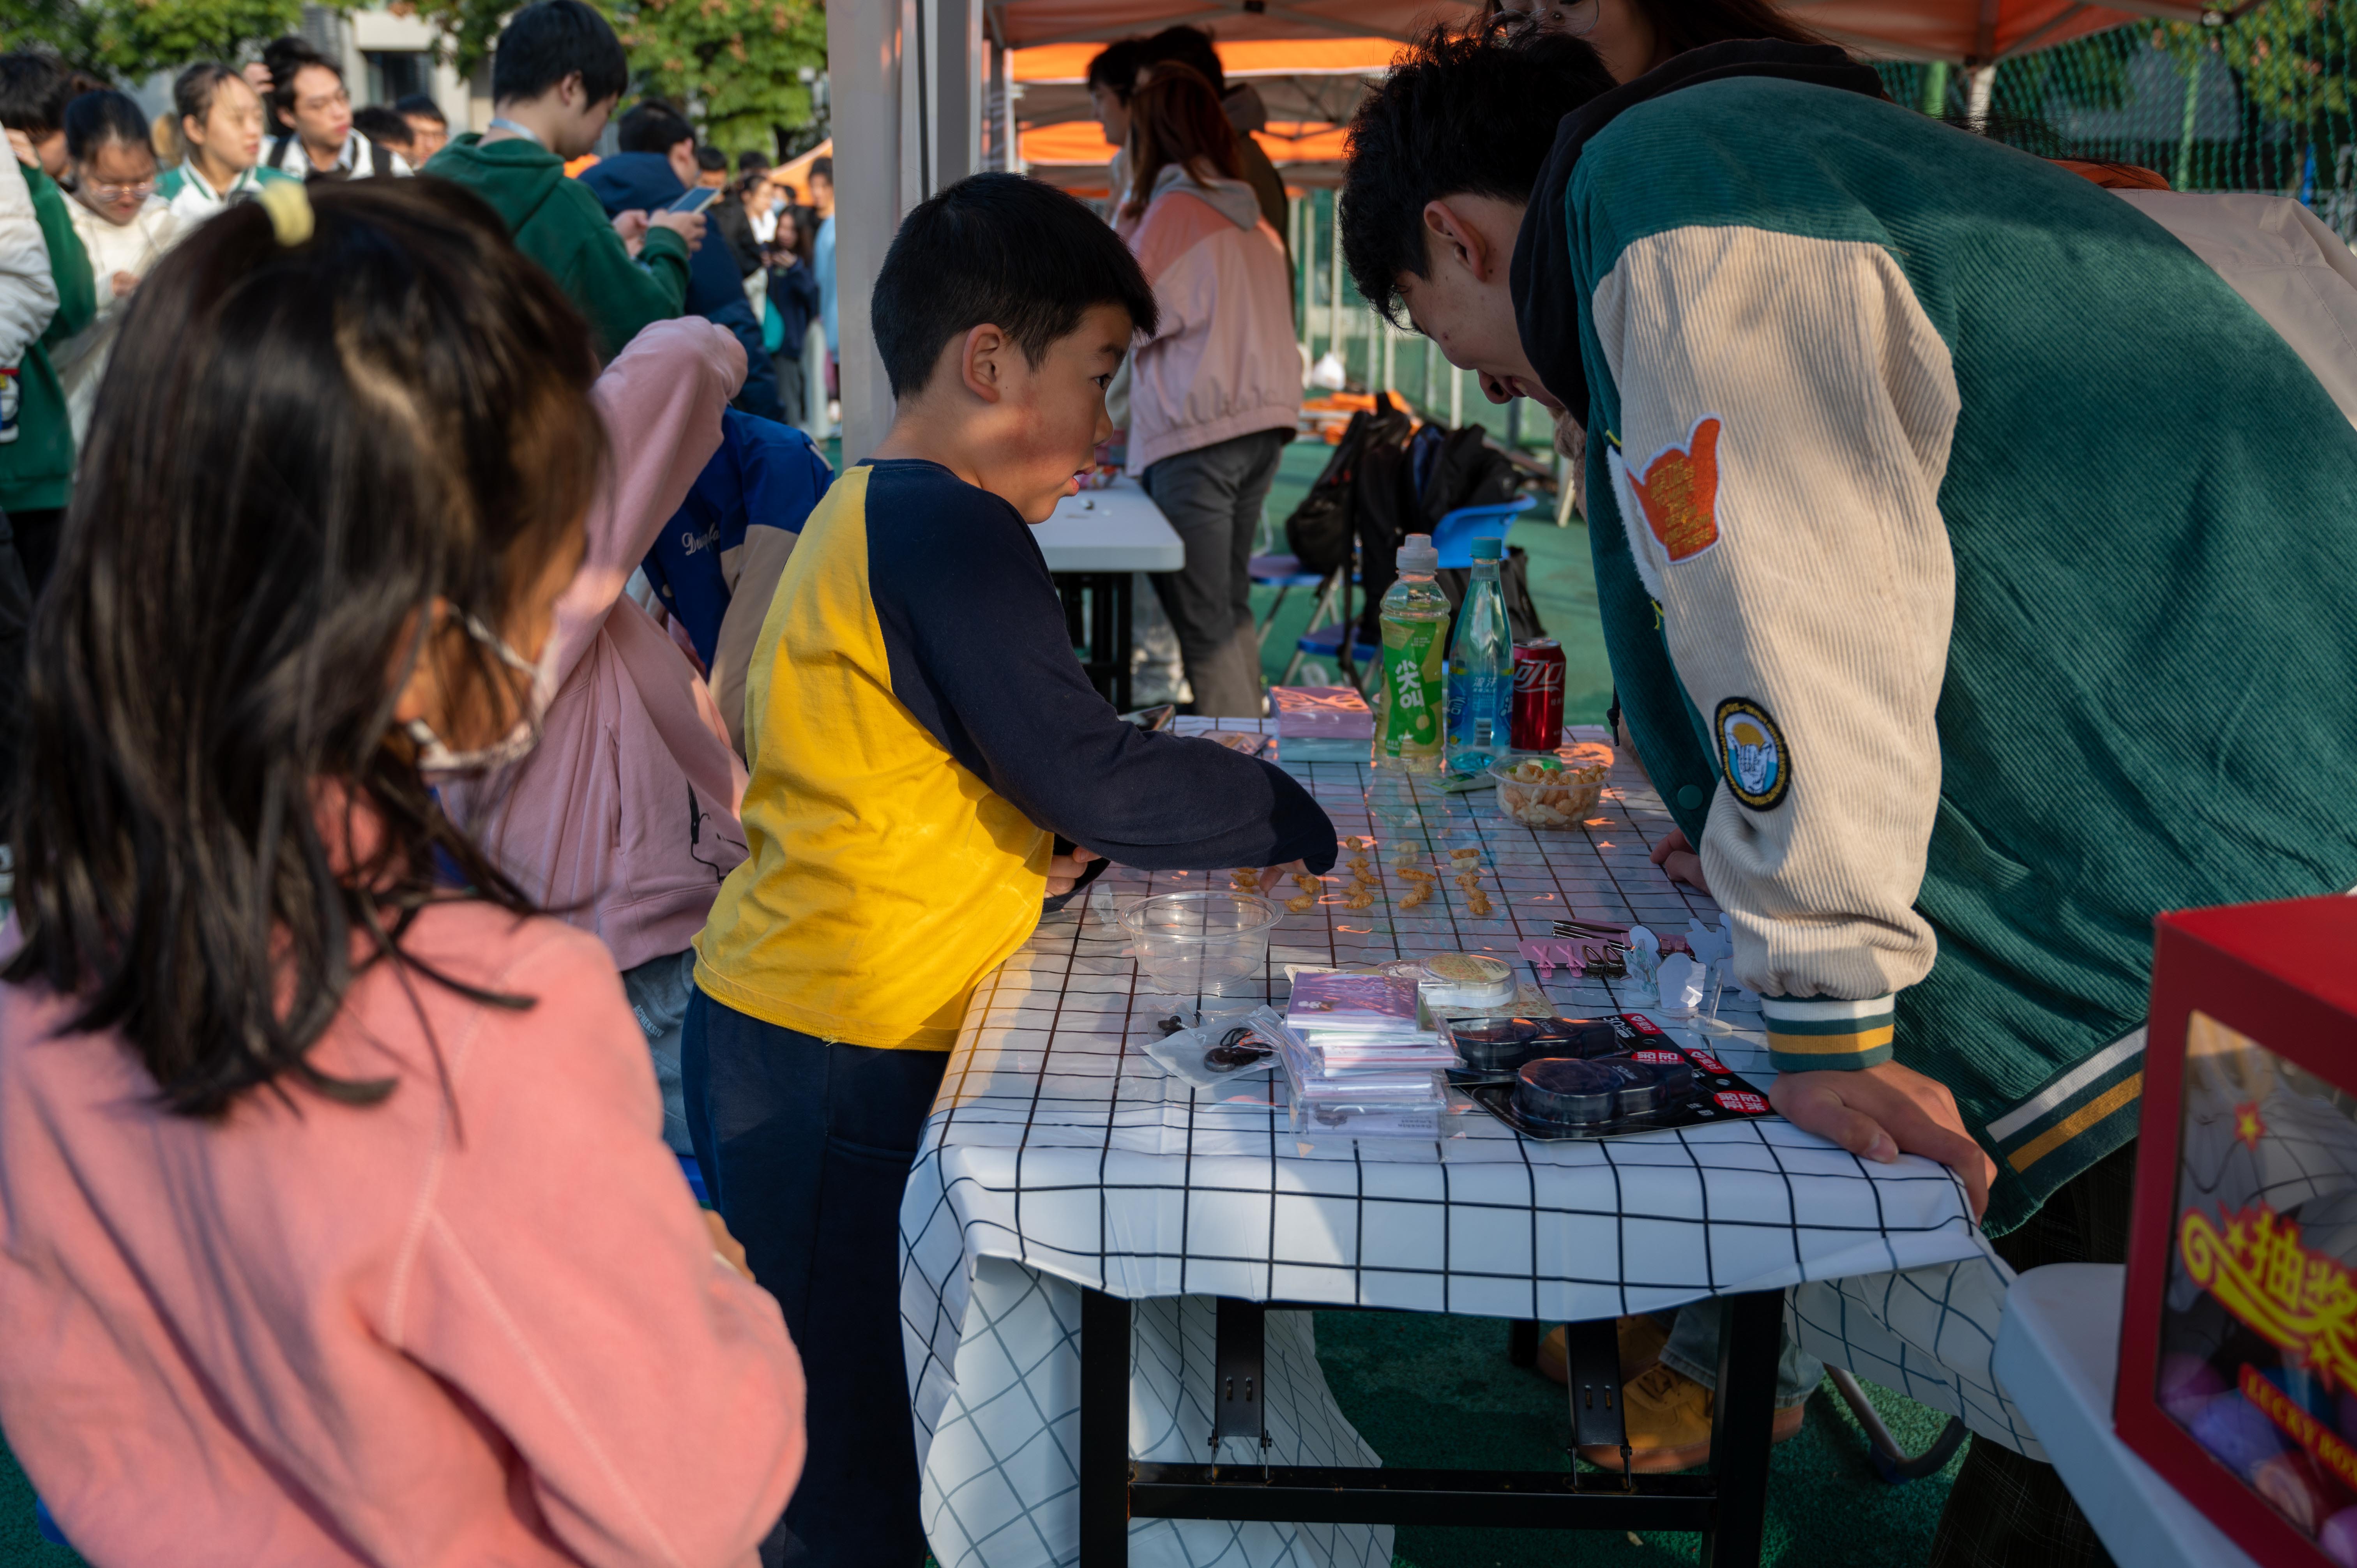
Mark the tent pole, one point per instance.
(864, 69)
(1334, 278)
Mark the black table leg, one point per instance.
(1750, 1338)
(1121, 585)
(1104, 1430)
(1523, 1342)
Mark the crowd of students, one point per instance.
(446, 699)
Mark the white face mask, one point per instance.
(433, 757)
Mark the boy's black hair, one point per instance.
(385, 127)
(1115, 67)
(751, 162)
(95, 119)
(545, 43)
(652, 126)
(1002, 248)
(34, 93)
(822, 169)
(709, 158)
(1462, 113)
(283, 58)
(1183, 45)
(420, 106)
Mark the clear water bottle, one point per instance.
(1414, 620)
(1482, 668)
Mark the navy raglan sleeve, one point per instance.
(976, 638)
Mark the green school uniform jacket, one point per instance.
(1979, 573)
(36, 468)
(559, 224)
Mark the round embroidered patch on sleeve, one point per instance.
(1752, 754)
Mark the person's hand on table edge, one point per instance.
(1064, 871)
(1678, 859)
(1879, 1112)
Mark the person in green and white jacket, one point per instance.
(221, 125)
(1976, 564)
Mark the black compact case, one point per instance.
(1562, 1085)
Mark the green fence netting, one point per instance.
(2262, 101)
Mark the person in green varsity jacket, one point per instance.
(1977, 568)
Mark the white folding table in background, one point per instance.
(1061, 1170)
(1094, 542)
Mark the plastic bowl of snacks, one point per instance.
(1201, 944)
(1548, 791)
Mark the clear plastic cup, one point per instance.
(1206, 945)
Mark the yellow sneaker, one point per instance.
(1642, 1337)
(1668, 1417)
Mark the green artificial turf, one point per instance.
(1432, 1391)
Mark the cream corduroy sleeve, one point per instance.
(1786, 413)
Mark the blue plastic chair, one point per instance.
(47, 1525)
(694, 1175)
(1454, 535)
(1325, 645)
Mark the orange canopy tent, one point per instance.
(1978, 32)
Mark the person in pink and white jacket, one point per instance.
(1215, 391)
(334, 1224)
(623, 819)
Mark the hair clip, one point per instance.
(289, 207)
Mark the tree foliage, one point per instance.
(129, 40)
(733, 65)
(2292, 59)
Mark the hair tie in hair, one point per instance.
(289, 206)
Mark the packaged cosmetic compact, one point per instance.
(1551, 1079)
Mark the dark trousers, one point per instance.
(2006, 1511)
(805, 1148)
(37, 536)
(1213, 497)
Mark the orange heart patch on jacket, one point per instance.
(1679, 491)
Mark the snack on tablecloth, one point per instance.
(1548, 791)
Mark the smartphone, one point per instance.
(696, 201)
(1153, 718)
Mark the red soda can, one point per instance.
(1537, 722)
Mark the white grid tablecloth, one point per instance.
(1060, 1155)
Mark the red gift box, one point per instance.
(2238, 1350)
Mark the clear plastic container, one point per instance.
(1547, 791)
(1201, 944)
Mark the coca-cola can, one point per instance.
(1538, 696)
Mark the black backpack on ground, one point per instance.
(1321, 529)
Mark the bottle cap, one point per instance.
(1416, 553)
(1489, 548)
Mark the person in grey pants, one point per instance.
(1213, 497)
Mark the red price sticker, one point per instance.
(1640, 1023)
(1744, 1105)
(1706, 1061)
(1670, 1056)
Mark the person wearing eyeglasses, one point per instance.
(124, 225)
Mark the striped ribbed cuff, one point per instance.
(1819, 1034)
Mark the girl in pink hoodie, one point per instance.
(335, 1225)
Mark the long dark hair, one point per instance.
(298, 449)
(1175, 118)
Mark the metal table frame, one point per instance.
(1728, 1506)
(1097, 619)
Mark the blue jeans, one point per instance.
(805, 1146)
(659, 991)
(1693, 1349)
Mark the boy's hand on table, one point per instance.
(1272, 876)
(1064, 871)
(1878, 1112)
(1675, 855)
(730, 1250)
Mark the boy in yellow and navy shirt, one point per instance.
(921, 735)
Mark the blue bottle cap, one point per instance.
(1488, 548)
